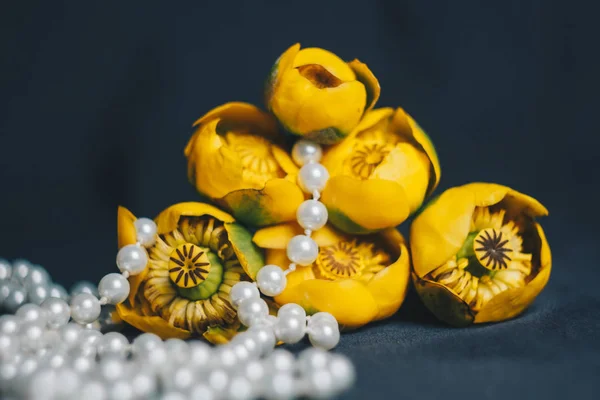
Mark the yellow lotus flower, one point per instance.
(380, 174)
(358, 280)
(234, 159)
(478, 254)
(316, 94)
(199, 254)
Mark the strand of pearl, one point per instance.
(44, 356)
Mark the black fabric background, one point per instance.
(97, 102)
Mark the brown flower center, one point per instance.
(319, 76)
(493, 249)
(188, 265)
(367, 157)
(350, 260)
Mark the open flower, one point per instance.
(358, 280)
(317, 95)
(199, 254)
(478, 254)
(234, 159)
(380, 174)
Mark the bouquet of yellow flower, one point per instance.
(326, 208)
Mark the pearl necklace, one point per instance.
(44, 356)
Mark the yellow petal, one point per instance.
(276, 203)
(348, 300)
(155, 325)
(168, 220)
(423, 139)
(284, 160)
(250, 257)
(443, 225)
(357, 206)
(243, 115)
(125, 228)
(366, 77)
(513, 302)
(277, 237)
(127, 235)
(444, 304)
(334, 64)
(218, 335)
(409, 167)
(388, 287)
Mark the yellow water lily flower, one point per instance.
(235, 159)
(478, 254)
(316, 94)
(358, 280)
(199, 254)
(380, 174)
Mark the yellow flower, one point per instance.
(199, 254)
(358, 280)
(235, 160)
(478, 254)
(380, 174)
(316, 94)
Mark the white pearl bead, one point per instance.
(145, 230)
(320, 384)
(226, 358)
(279, 386)
(42, 384)
(37, 294)
(20, 270)
(9, 347)
(89, 338)
(250, 342)
(173, 396)
(254, 371)
(121, 390)
(200, 354)
(144, 343)
(17, 296)
(144, 384)
(181, 378)
(32, 313)
(252, 310)
(32, 336)
(36, 276)
(114, 287)
(5, 269)
(93, 390)
(157, 358)
(313, 176)
(239, 389)
(9, 324)
(70, 334)
(218, 379)
(271, 280)
(201, 391)
(323, 316)
(242, 291)
(302, 250)
(290, 328)
(312, 359)
(305, 151)
(323, 333)
(178, 350)
(265, 337)
(69, 382)
(312, 214)
(291, 309)
(113, 344)
(58, 291)
(132, 258)
(342, 371)
(84, 287)
(57, 311)
(85, 308)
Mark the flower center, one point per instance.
(492, 249)
(350, 260)
(367, 157)
(489, 262)
(258, 163)
(188, 265)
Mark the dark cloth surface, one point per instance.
(97, 102)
